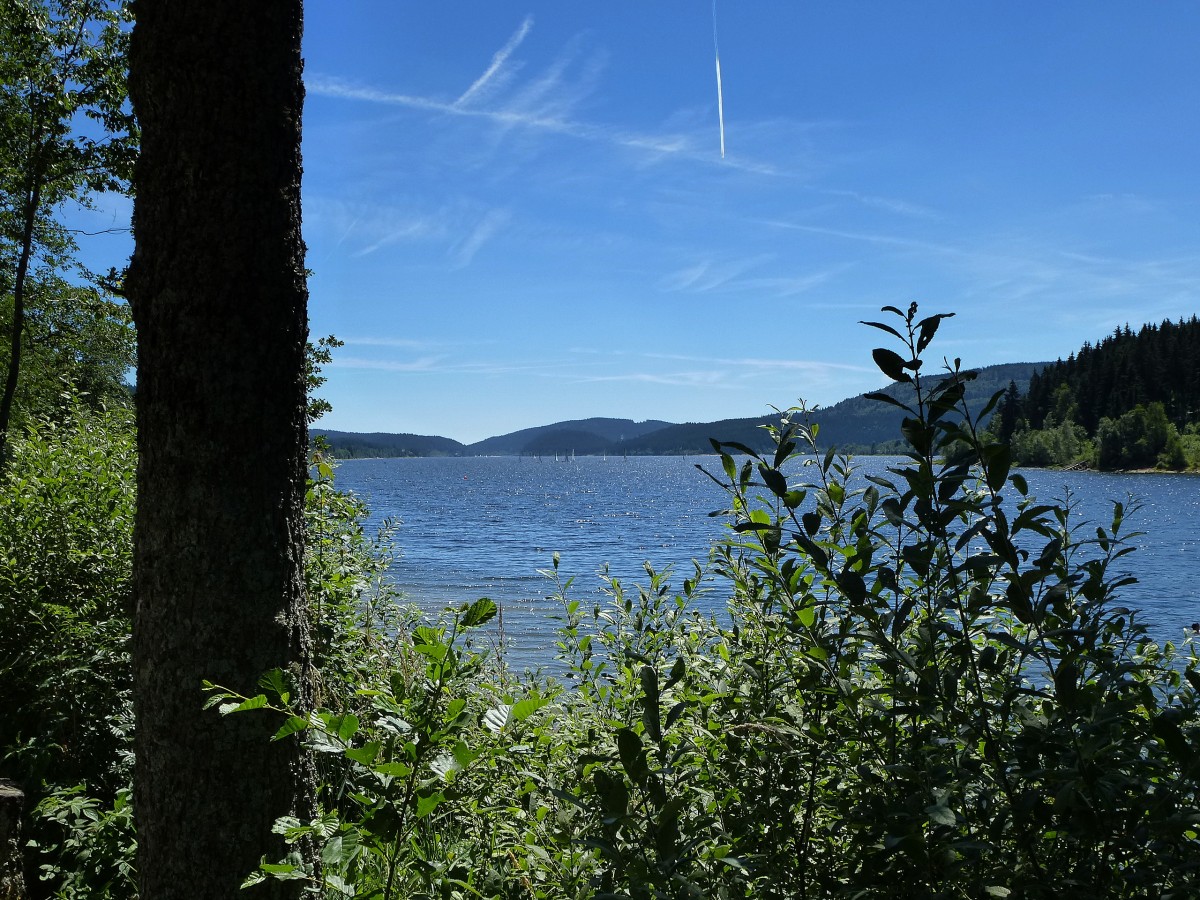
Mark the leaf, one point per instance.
(882, 327)
(632, 753)
(651, 711)
(998, 459)
(941, 815)
(741, 448)
(346, 726)
(773, 479)
(426, 635)
(888, 398)
(676, 711)
(479, 612)
(891, 364)
(366, 754)
(291, 726)
(1173, 738)
(497, 717)
(393, 769)
(613, 794)
(729, 466)
(426, 805)
(274, 681)
(929, 327)
(258, 702)
(523, 709)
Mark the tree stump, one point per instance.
(12, 879)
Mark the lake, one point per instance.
(483, 526)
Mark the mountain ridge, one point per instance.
(855, 424)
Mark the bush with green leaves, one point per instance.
(926, 688)
(1140, 439)
(66, 532)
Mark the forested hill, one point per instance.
(1156, 364)
(353, 445)
(586, 436)
(854, 425)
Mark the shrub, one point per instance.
(66, 533)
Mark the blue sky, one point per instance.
(518, 213)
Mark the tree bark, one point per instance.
(33, 201)
(217, 286)
(12, 875)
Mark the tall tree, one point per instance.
(217, 284)
(65, 134)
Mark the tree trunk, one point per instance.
(12, 875)
(33, 202)
(217, 286)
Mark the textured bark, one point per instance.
(12, 878)
(218, 292)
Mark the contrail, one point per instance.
(500, 57)
(720, 96)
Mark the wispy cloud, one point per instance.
(492, 77)
(449, 364)
(395, 235)
(868, 237)
(888, 204)
(371, 226)
(421, 364)
(519, 116)
(483, 231)
(695, 378)
(545, 104)
(764, 364)
(399, 343)
(709, 275)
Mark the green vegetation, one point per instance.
(923, 685)
(1125, 403)
(66, 134)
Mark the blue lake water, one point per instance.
(484, 526)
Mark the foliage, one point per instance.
(66, 135)
(315, 356)
(1141, 438)
(66, 529)
(404, 814)
(91, 849)
(1062, 444)
(78, 342)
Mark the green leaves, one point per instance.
(478, 613)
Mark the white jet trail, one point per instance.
(499, 58)
(720, 94)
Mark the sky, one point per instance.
(518, 212)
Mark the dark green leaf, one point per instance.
(650, 710)
(632, 754)
(891, 364)
(773, 479)
(479, 612)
